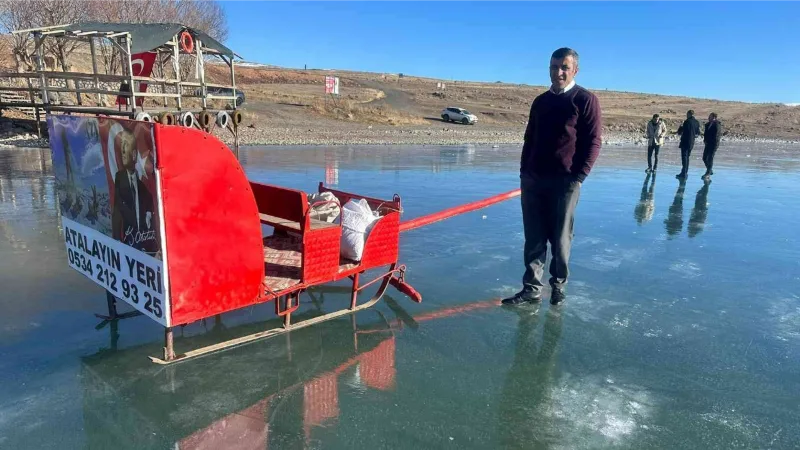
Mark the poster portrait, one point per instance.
(105, 180)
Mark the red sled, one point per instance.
(209, 254)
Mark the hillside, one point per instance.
(289, 106)
(409, 100)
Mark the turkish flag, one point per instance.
(142, 64)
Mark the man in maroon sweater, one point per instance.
(562, 142)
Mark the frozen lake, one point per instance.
(681, 330)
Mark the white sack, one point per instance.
(328, 212)
(357, 220)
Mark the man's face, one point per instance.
(710, 118)
(127, 154)
(562, 71)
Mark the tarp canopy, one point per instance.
(149, 36)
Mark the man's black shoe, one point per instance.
(522, 297)
(557, 297)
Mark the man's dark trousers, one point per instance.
(686, 153)
(651, 150)
(708, 157)
(548, 215)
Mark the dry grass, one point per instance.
(219, 73)
(348, 110)
(304, 94)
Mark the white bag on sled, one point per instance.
(326, 212)
(357, 220)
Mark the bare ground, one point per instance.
(284, 106)
(288, 106)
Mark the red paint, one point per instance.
(213, 232)
(383, 242)
(215, 253)
(456, 210)
(282, 202)
(406, 288)
(321, 254)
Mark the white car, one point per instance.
(459, 115)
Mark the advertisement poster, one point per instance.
(105, 180)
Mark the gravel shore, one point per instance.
(349, 134)
(359, 134)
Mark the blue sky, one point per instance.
(724, 50)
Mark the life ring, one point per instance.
(187, 43)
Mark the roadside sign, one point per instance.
(332, 85)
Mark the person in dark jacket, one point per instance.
(689, 130)
(711, 137)
(562, 143)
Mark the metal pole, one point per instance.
(130, 73)
(202, 73)
(94, 70)
(456, 210)
(354, 297)
(43, 83)
(235, 108)
(39, 57)
(176, 66)
(163, 75)
(287, 319)
(233, 83)
(38, 122)
(77, 88)
(32, 97)
(169, 347)
(236, 141)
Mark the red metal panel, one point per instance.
(215, 255)
(277, 201)
(383, 242)
(321, 254)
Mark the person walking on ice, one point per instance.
(656, 131)
(711, 137)
(689, 130)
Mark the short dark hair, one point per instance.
(655, 116)
(690, 112)
(563, 52)
(713, 115)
